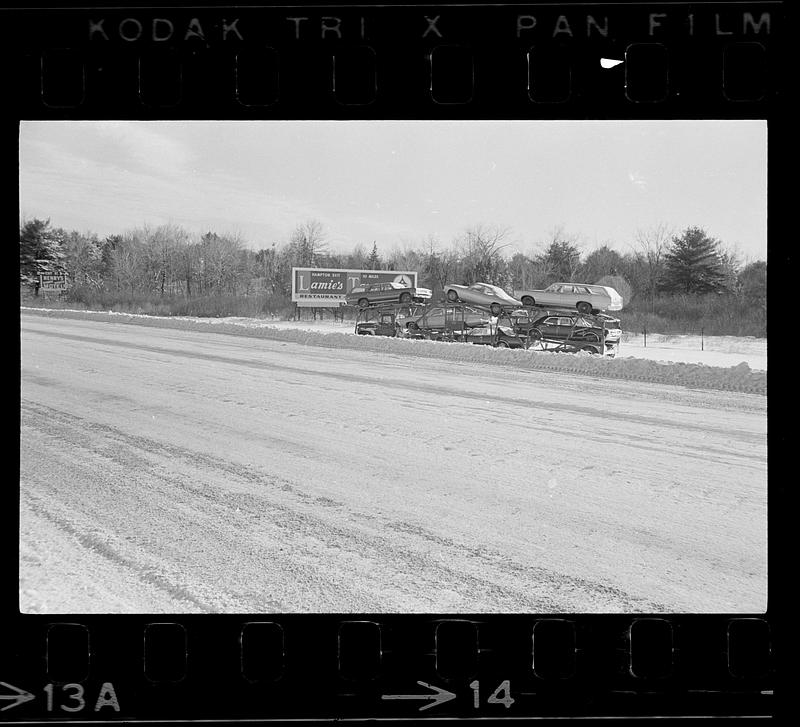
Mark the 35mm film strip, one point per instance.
(402, 61)
(388, 667)
(490, 61)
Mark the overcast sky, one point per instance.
(399, 182)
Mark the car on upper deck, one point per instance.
(367, 294)
(491, 296)
(585, 298)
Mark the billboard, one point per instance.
(327, 287)
(52, 282)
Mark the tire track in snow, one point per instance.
(482, 573)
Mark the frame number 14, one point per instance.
(501, 695)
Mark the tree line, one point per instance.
(167, 263)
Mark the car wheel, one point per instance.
(584, 308)
(528, 300)
(496, 309)
(590, 349)
(405, 298)
(412, 326)
(502, 344)
(363, 303)
(452, 296)
(535, 334)
(592, 337)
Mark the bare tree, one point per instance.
(266, 265)
(521, 271)
(650, 247)
(560, 259)
(483, 258)
(189, 262)
(405, 257)
(164, 246)
(308, 241)
(439, 265)
(731, 261)
(221, 262)
(358, 258)
(128, 261)
(82, 258)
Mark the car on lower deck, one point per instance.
(497, 336)
(447, 317)
(561, 326)
(382, 324)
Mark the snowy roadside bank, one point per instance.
(631, 367)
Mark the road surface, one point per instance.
(165, 470)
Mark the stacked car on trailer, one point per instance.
(486, 315)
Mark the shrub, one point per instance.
(715, 314)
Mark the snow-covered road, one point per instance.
(169, 470)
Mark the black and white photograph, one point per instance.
(464, 367)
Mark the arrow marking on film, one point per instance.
(20, 696)
(441, 696)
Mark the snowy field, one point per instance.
(728, 362)
(177, 467)
(716, 350)
(712, 351)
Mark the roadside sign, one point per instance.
(327, 287)
(52, 282)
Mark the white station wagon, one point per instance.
(586, 298)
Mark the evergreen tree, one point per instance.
(599, 263)
(40, 250)
(561, 259)
(108, 269)
(692, 264)
(374, 260)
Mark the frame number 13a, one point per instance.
(501, 695)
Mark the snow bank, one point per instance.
(733, 378)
